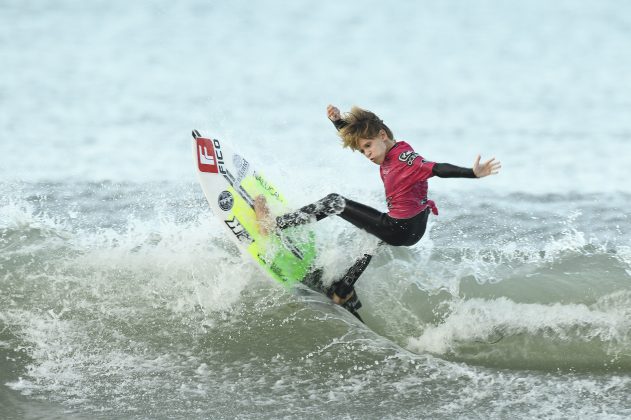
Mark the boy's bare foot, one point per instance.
(266, 223)
(341, 301)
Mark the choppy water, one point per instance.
(120, 296)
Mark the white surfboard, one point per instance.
(230, 184)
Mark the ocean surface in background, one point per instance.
(121, 296)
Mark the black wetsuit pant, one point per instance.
(397, 232)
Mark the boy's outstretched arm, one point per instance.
(479, 170)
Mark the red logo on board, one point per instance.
(206, 159)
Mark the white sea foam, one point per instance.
(623, 253)
(486, 320)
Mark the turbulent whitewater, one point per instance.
(121, 296)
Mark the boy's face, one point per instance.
(376, 148)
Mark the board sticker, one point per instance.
(225, 201)
(206, 160)
(241, 166)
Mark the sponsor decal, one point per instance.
(225, 200)
(267, 187)
(287, 242)
(206, 160)
(242, 166)
(210, 156)
(408, 157)
(239, 231)
(274, 268)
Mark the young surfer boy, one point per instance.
(404, 174)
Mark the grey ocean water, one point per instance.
(120, 296)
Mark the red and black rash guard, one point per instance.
(404, 174)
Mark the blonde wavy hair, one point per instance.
(361, 124)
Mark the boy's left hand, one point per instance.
(490, 167)
(263, 216)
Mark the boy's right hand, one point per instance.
(333, 113)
